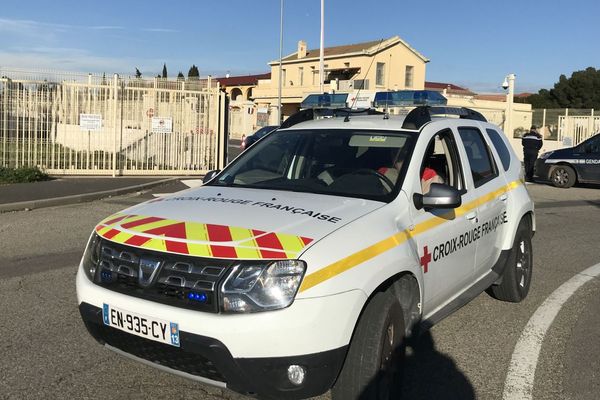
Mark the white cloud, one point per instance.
(71, 59)
(107, 28)
(160, 30)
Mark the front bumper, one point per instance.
(210, 360)
(541, 169)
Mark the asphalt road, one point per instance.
(47, 353)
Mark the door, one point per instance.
(589, 160)
(490, 188)
(443, 237)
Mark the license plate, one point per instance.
(141, 325)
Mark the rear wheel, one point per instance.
(516, 278)
(373, 366)
(563, 176)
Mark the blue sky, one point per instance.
(470, 43)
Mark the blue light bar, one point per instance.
(407, 98)
(325, 100)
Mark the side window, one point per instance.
(593, 145)
(441, 163)
(482, 164)
(501, 148)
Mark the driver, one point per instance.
(392, 173)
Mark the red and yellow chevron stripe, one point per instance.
(202, 240)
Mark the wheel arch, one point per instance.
(408, 291)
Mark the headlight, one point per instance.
(91, 256)
(261, 286)
(546, 155)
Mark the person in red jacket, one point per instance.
(429, 176)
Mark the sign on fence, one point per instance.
(90, 122)
(162, 125)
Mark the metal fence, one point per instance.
(567, 125)
(96, 124)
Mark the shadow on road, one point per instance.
(429, 374)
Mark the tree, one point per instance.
(138, 74)
(193, 73)
(180, 76)
(581, 90)
(164, 71)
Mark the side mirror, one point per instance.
(210, 174)
(439, 196)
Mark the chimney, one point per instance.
(301, 49)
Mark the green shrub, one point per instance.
(21, 175)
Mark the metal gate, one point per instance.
(573, 130)
(92, 124)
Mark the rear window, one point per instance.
(501, 148)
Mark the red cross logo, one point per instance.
(426, 259)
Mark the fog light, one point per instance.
(296, 374)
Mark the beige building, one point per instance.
(239, 88)
(387, 64)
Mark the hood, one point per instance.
(559, 153)
(233, 223)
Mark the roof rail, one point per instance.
(418, 117)
(315, 113)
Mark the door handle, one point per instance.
(472, 215)
(503, 197)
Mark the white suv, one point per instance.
(306, 262)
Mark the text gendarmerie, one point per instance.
(271, 206)
(472, 235)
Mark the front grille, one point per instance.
(182, 281)
(159, 353)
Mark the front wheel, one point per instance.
(562, 176)
(373, 366)
(516, 278)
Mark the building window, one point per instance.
(380, 74)
(314, 76)
(361, 84)
(301, 76)
(283, 77)
(408, 76)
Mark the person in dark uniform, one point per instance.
(532, 143)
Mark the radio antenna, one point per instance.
(366, 74)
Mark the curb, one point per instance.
(79, 198)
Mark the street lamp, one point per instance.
(509, 84)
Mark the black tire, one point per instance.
(373, 366)
(563, 176)
(516, 278)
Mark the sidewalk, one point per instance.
(69, 190)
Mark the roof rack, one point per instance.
(315, 113)
(419, 116)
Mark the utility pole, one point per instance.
(280, 59)
(321, 56)
(510, 81)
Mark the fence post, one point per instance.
(115, 86)
(5, 88)
(591, 124)
(223, 142)
(544, 119)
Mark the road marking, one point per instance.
(521, 371)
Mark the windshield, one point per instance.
(353, 163)
(264, 130)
